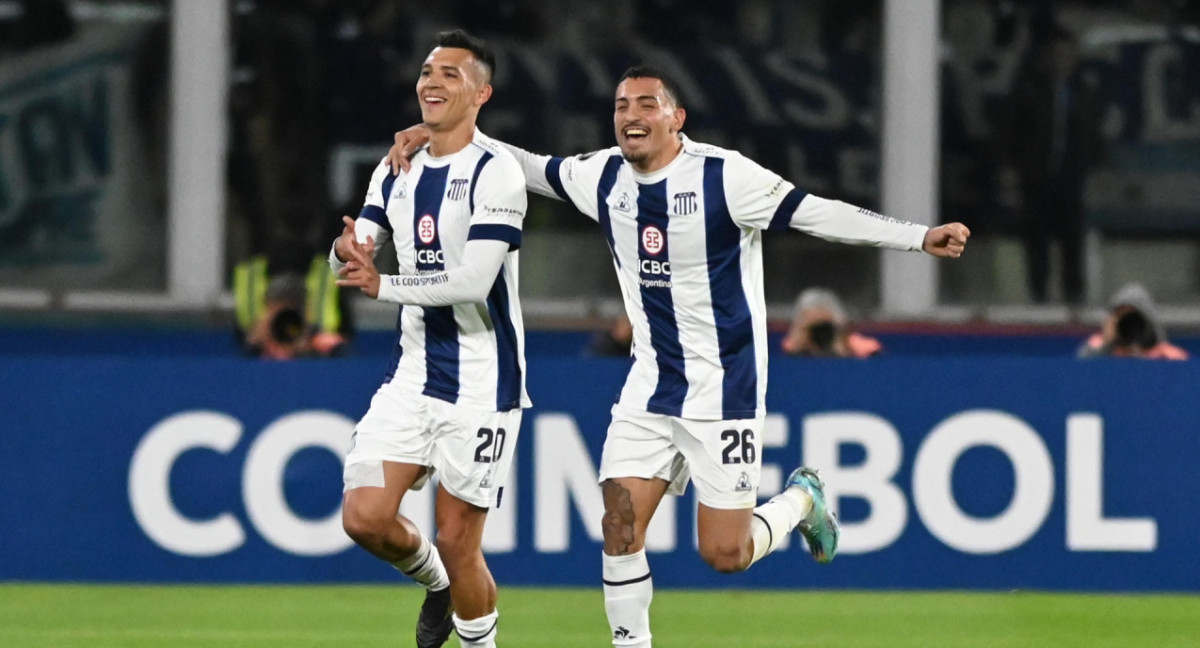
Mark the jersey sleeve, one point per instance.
(372, 219)
(762, 199)
(499, 203)
(572, 179)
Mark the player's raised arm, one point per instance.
(761, 198)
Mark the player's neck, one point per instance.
(452, 140)
(660, 161)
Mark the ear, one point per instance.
(483, 94)
(680, 117)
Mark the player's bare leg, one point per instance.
(370, 518)
(369, 514)
(460, 536)
(726, 543)
(629, 503)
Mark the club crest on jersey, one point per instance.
(458, 189)
(653, 240)
(426, 229)
(623, 203)
(685, 203)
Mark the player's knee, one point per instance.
(456, 545)
(363, 527)
(725, 558)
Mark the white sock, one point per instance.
(425, 566)
(628, 590)
(477, 633)
(775, 519)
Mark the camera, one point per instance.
(822, 336)
(1135, 331)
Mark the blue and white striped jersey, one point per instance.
(468, 352)
(686, 244)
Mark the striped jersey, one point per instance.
(468, 353)
(686, 244)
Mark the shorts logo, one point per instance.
(685, 203)
(743, 483)
(652, 240)
(486, 482)
(458, 189)
(426, 229)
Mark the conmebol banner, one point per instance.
(948, 473)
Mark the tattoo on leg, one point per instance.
(618, 518)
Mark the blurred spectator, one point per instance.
(289, 305)
(1053, 139)
(820, 328)
(616, 340)
(1132, 330)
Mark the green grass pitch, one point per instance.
(96, 616)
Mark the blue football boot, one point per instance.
(820, 527)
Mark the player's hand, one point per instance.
(343, 246)
(359, 271)
(946, 240)
(407, 142)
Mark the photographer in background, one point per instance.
(289, 306)
(820, 329)
(1131, 330)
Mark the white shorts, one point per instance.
(470, 449)
(723, 458)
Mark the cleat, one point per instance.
(435, 623)
(820, 527)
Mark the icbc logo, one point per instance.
(652, 239)
(426, 229)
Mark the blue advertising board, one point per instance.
(980, 473)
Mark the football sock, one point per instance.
(628, 589)
(775, 519)
(477, 633)
(425, 566)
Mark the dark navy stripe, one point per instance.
(658, 303)
(465, 639)
(631, 581)
(555, 180)
(410, 572)
(377, 215)
(397, 350)
(731, 309)
(475, 177)
(441, 329)
(608, 178)
(783, 215)
(496, 232)
(508, 360)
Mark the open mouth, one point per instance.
(435, 101)
(636, 133)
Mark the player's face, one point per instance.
(451, 88)
(647, 123)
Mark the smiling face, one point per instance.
(647, 123)
(451, 88)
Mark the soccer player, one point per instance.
(684, 222)
(451, 402)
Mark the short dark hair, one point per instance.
(460, 39)
(651, 72)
